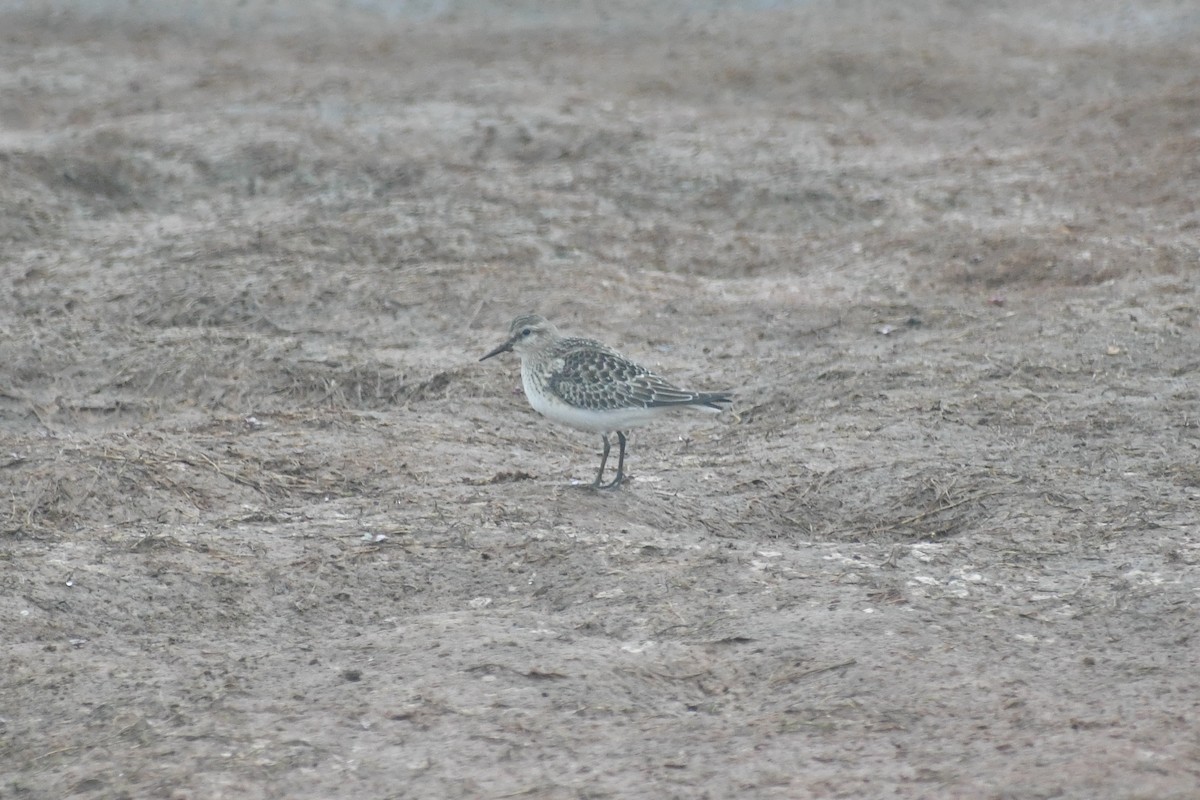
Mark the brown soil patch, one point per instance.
(269, 529)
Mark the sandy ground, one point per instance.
(269, 530)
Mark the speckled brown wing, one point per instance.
(595, 377)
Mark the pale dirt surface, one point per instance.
(268, 529)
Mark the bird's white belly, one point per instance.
(620, 419)
(585, 419)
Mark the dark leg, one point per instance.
(604, 460)
(620, 463)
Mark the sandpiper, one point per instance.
(589, 386)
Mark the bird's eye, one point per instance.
(526, 331)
